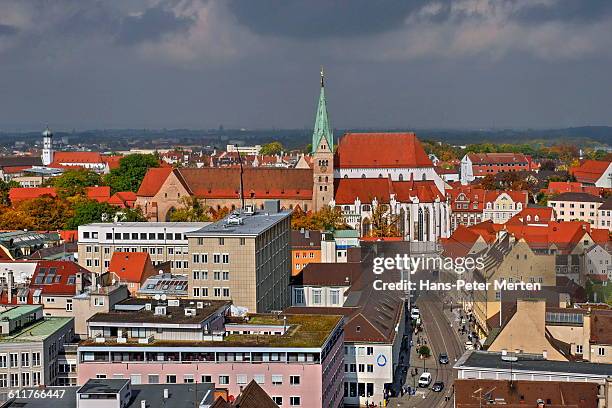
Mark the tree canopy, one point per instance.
(88, 211)
(132, 169)
(327, 218)
(271, 149)
(73, 182)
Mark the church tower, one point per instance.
(47, 152)
(322, 154)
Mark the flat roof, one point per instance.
(103, 386)
(179, 396)
(530, 362)
(304, 331)
(17, 311)
(37, 331)
(249, 224)
(133, 310)
(146, 224)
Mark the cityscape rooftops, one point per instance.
(37, 331)
(531, 363)
(328, 274)
(577, 196)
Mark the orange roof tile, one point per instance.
(98, 193)
(130, 266)
(367, 150)
(77, 157)
(17, 194)
(347, 190)
(153, 180)
(589, 171)
(123, 199)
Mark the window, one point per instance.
(370, 351)
(196, 292)
(243, 242)
(3, 360)
(14, 360)
(25, 359)
(224, 379)
(316, 296)
(171, 379)
(216, 258)
(299, 295)
(36, 378)
(206, 379)
(370, 368)
(601, 351)
(259, 378)
(278, 400)
(334, 297)
(3, 381)
(217, 292)
(226, 292)
(295, 401)
(153, 379)
(14, 380)
(225, 275)
(241, 379)
(188, 379)
(578, 348)
(294, 379)
(277, 379)
(221, 241)
(225, 258)
(100, 376)
(98, 301)
(25, 379)
(69, 305)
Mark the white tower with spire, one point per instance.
(47, 153)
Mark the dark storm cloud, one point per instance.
(322, 18)
(151, 25)
(7, 30)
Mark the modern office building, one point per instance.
(297, 360)
(29, 346)
(163, 241)
(244, 257)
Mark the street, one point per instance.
(440, 337)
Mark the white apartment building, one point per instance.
(578, 207)
(163, 241)
(500, 206)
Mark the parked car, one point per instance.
(438, 386)
(425, 380)
(469, 345)
(443, 358)
(415, 313)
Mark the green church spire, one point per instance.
(322, 128)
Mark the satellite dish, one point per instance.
(157, 296)
(163, 297)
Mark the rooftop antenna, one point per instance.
(241, 182)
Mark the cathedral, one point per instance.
(364, 171)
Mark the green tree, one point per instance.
(131, 215)
(424, 351)
(132, 169)
(5, 187)
(74, 182)
(87, 211)
(327, 218)
(272, 148)
(191, 210)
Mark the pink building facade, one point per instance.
(292, 376)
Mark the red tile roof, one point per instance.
(589, 171)
(493, 158)
(558, 187)
(98, 193)
(123, 199)
(112, 161)
(258, 182)
(153, 180)
(17, 194)
(564, 235)
(601, 327)
(15, 169)
(77, 157)
(533, 215)
(466, 195)
(460, 242)
(347, 190)
(131, 266)
(69, 235)
(371, 150)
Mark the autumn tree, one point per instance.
(5, 187)
(327, 218)
(44, 213)
(384, 223)
(131, 215)
(191, 210)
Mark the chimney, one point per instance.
(9, 280)
(78, 284)
(143, 404)
(307, 234)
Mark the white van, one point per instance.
(425, 380)
(415, 313)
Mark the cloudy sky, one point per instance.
(255, 64)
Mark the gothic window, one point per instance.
(420, 225)
(346, 176)
(401, 177)
(325, 188)
(320, 179)
(380, 175)
(366, 228)
(427, 225)
(363, 176)
(423, 177)
(326, 179)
